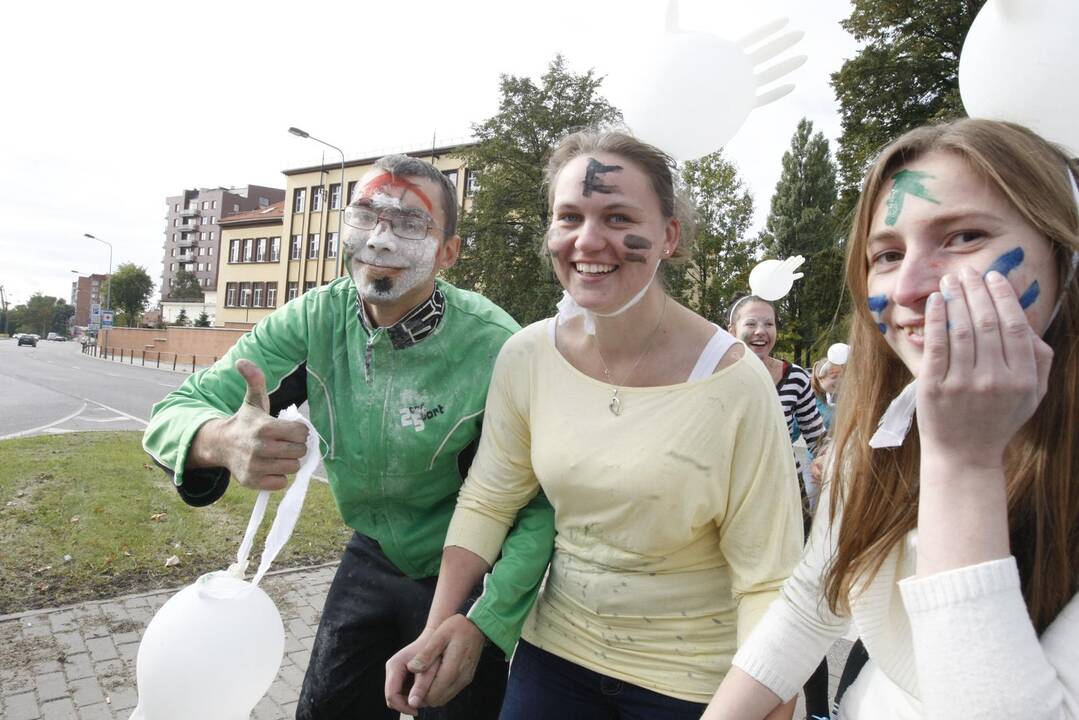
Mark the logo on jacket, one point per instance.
(418, 415)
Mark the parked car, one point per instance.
(28, 339)
(56, 336)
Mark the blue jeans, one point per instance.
(544, 686)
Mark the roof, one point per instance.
(268, 214)
(422, 154)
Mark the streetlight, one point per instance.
(108, 292)
(344, 201)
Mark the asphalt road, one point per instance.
(54, 388)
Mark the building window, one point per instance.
(256, 297)
(213, 205)
(297, 199)
(312, 246)
(176, 222)
(271, 295)
(472, 183)
(331, 245)
(202, 251)
(172, 267)
(245, 294)
(248, 243)
(211, 234)
(260, 250)
(176, 207)
(235, 207)
(174, 237)
(351, 191)
(234, 251)
(202, 236)
(230, 295)
(209, 267)
(335, 196)
(210, 250)
(316, 199)
(275, 249)
(309, 285)
(291, 292)
(205, 204)
(213, 219)
(263, 202)
(451, 175)
(294, 251)
(174, 252)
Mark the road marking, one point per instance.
(103, 420)
(168, 385)
(118, 412)
(45, 427)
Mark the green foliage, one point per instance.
(203, 320)
(722, 255)
(182, 320)
(40, 315)
(131, 288)
(801, 222)
(61, 315)
(97, 499)
(185, 286)
(504, 230)
(906, 75)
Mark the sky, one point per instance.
(110, 107)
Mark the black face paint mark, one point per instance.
(635, 257)
(636, 242)
(591, 184)
(383, 285)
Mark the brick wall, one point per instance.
(183, 341)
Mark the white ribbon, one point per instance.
(288, 512)
(569, 309)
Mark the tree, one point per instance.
(722, 256)
(906, 75)
(61, 315)
(38, 314)
(182, 320)
(131, 288)
(503, 231)
(203, 320)
(185, 286)
(801, 222)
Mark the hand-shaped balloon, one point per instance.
(692, 93)
(1019, 63)
(771, 280)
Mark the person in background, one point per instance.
(956, 553)
(825, 383)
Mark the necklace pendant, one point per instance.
(616, 404)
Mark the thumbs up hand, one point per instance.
(259, 450)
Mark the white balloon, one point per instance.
(211, 652)
(1020, 61)
(689, 95)
(771, 280)
(839, 353)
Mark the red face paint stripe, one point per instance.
(381, 181)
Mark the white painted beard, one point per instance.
(415, 260)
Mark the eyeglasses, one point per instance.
(405, 225)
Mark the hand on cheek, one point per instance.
(984, 370)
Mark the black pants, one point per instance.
(371, 612)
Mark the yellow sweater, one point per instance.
(677, 521)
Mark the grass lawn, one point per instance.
(87, 516)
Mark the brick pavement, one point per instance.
(78, 663)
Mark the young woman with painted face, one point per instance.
(654, 435)
(956, 553)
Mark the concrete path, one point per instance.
(78, 662)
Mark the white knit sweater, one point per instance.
(958, 644)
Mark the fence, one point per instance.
(185, 362)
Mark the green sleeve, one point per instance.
(510, 589)
(277, 345)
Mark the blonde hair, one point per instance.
(878, 489)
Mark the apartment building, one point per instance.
(309, 252)
(249, 281)
(193, 230)
(84, 293)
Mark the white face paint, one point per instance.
(385, 267)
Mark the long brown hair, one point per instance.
(878, 489)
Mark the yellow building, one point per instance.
(302, 248)
(249, 278)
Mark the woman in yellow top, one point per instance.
(659, 442)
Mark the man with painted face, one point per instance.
(394, 365)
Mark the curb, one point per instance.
(149, 593)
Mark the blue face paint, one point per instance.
(1007, 262)
(1030, 296)
(877, 303)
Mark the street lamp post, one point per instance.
(344, 200)
(108, 292)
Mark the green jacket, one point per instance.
(398, 411)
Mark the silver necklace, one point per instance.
(615, 405)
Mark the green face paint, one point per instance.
(906, 182)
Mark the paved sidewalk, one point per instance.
(79, 662)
